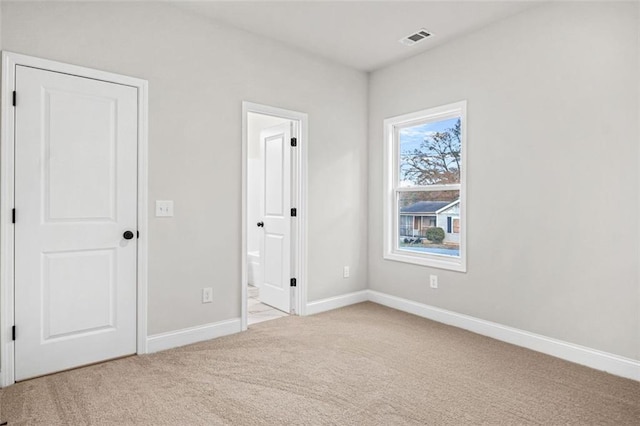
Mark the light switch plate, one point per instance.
(164, 208)
(207, 295)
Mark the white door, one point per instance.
(75, 197)
(275, 250)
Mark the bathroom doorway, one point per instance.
(273, 230)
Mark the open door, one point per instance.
(275, 246)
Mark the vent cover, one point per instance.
(416, 37)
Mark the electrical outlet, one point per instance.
(433, 281)
(345, 272)
(207, 295)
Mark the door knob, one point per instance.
(260, 224)
(127, 235)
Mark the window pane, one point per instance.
(430, 153)
(429, 222)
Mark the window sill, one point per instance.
(440, 262)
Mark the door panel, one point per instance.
(273, 177)
(73, 151)
(76, 194)
(276, 242)
(273, 248)
(66, 273)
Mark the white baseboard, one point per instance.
(599, 360)
(336, 302)
(186, 336)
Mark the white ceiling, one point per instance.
(360, 34)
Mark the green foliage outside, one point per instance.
(435, 235)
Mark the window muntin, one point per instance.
(425, 183)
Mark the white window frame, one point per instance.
(392, 187)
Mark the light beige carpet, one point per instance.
(361, 365)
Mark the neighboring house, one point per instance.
(416, 218)
(448, 218)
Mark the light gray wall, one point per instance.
(553, 137)
(553, 134)
(199, 73)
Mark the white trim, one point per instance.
(336, 302)
(599, 360)
(9, 62)
(444, 187)
(593, 358)
(448, 206)
(7, 376)
(143, 214)
(637, 337)
(428, 115)
(391, 187)
(187, 336)
(300, 194)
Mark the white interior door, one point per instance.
(75, 198)
(275, 250)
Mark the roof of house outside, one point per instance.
(448, 206)
(425, 207)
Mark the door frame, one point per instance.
(299, 197)
(7, 196)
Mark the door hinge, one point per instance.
(294, 141)
(138, 234)
(13, 216)
(293, 282)
(13, 333)
(14, 98)
(294, 212)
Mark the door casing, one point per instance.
(298, 196)
(7, 177)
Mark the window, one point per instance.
(425, 154)
(456, 226)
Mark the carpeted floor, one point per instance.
(361, 365)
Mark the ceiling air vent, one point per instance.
(416, 37)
